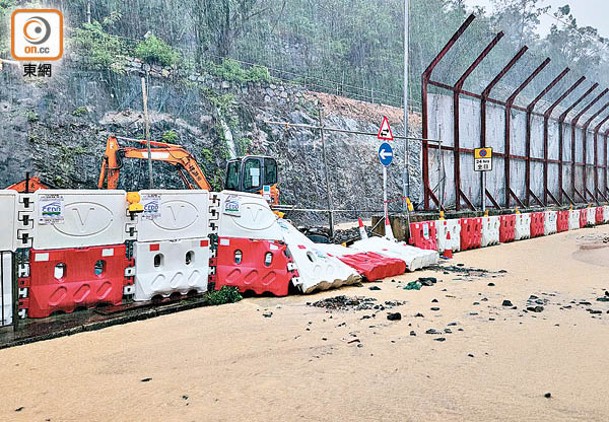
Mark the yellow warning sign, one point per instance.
(483, 159)
(483, 153)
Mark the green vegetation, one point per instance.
(154, 50)
(31, 116)
(97, 49)
(243, 146)
(232, 71)
(207, 154)
(170, 137)
(225, 295)
(80, 111)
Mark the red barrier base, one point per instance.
(562, 221)
(260, 266)
(63, 280)
(537, 224)
(507, 228)
(471, 233)
(373, 266)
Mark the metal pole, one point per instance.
(325, 158)
(89, 11)
(406, 176)
(385, 205)
(147, 132)
(483, 195)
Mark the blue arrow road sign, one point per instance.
(385, 154)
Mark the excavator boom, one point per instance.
(159, 151)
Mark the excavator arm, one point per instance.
(159, 151)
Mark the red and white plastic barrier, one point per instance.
(490, 231)
(370, 265)
(172, 249)
(522, 229)
(251, 254)
(599, 215)
(80, 218)
(62, 280)
(562, 221)
(423, 235)
(471, 233)
(550, 222)
(507, 229)
(574, 219)
(443, 227)
(583, 218)
(316, 269)
(166, 267)
(537, 224)
(590, 216)
(415, 258)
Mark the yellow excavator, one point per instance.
(250, 173)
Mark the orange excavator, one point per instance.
(251, 173)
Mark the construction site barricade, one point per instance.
(316, 269)
(599, 215)
(423, 235)
(562, 221)
(9, 201)
(250, 254)
(537, 224)
(372, 266)
(490, 231)
(583, 218)
(574, 219)
(522, 230)
(168, 267)
(247, 216)
(63, 280)
(507, 228)
(591, 216)
(260, 266)
(81, 218)
(414, 257)
(606, 214)
(173, 214)
(6, 289)
(471, 233)
(550, 222)
(443, 227)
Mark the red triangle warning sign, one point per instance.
(385, 132)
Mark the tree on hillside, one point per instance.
(219, 23)
(518, 19)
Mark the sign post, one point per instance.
(385, 157)
(483, 162)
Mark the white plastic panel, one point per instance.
(522, 229)
(550, 218)
(173, 214)
(162, 268)
(442, 229)
(490, 231)
(415, 258)
(8, 220)
(247, 216)
(316, 269)
(606, 214)
(79, 218)
(6, 292)
(573, 219)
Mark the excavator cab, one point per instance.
(254, 174)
